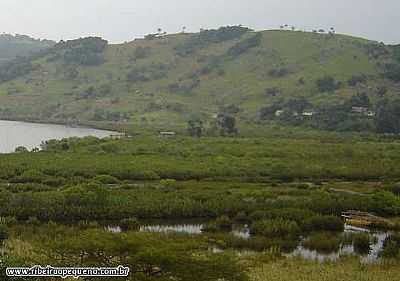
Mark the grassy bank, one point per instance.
(345, 270)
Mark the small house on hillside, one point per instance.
(308, 113)
(279, 113)
(167, 134)
(359, 109)
(363, 111)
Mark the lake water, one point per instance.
(242, 231)
(31, 135)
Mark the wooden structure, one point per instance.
(364, 219)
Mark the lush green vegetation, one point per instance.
(55, 203)
(210, 177)
(170, 80)
(12, 46)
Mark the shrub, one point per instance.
(33, 221)
(31, 175)
(241, 217)
(245, 45)
(356, 79)
(324, 223)
(391, 247)
(395, 189)
(106, 179)
(323, 242)
(224, 223)
(393, 72)
(278, 73)
(362, 243)
(130, 224)
(21, 149)
(168, 183)
(275, 228)
(210, 227)
(327, 84)
(9, 221)
(3, 233)
(257, 216)
(206, 37)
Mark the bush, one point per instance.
(327, 84)
(391, 247)
(106, 179)
(21, 149)
(278, 73)
(362, 243)
(275, 228)
(323, 242)
(210, 227)
(33, 221)
(168, 183)
(356, 79)
(257, 216)
(130, 224)
(245, 45)
(324, 223)
(395, 189)
(206, 37)
(241, 217)
(85, 51)
(224, 223)
(3, 233)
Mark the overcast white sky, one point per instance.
(124, 20)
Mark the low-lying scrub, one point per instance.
(275, 228)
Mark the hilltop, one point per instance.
(165, 80)
(12, 46)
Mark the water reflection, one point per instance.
(373, 256)
(240, 231)
(243, 232)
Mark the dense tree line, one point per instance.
(205, 37)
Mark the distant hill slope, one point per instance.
(166, 80)
(20, 45)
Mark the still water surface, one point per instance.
(31, 135)
(242, 231)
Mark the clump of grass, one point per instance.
(275, 228)
(223, 223)
(132, 224)
(324, 223)
(3, 233)
(348, 269)
(362, 243)
(391, 247)
(241, 217)
(324, 242)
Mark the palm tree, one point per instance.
(159, 30)
(183, 29)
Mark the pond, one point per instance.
(243, 232)
(31, 135)
(376, 246)
(184, 226)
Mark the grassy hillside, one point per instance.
(20, 45)
(164, 81)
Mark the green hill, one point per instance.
(20, 45)
(165, 80)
